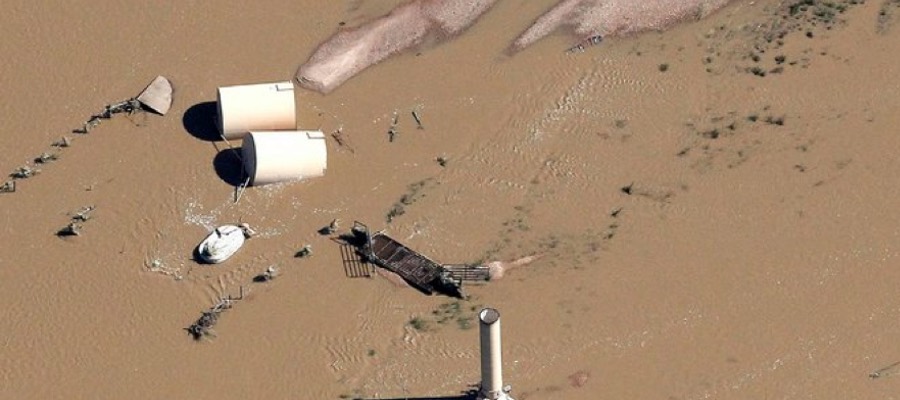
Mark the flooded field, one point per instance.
(711, 208)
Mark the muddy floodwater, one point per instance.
(709, 212)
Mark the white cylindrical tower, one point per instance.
(491, 357)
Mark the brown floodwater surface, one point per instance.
(713, 207)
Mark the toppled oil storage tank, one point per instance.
(257, 107)
(283, 156)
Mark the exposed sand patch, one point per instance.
(587, 18)
(350, 52)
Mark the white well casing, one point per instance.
(282, 156)
(491, 357)
(257, 107)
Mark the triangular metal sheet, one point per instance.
(158, 95)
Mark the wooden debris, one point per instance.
(418, 119)
(270, 274)
(885, 371)
(83, 214)
(331, 228)
(581, 47)
(8, 187)
(156, 97)
(24, 172)
(129, 107)
(248, 231)
(338, 136)
(393, 132)
(203, 326)
(306, 251)
(45, 158)
(88, 125)
(75, 223)
(72, 229)
(64, 142)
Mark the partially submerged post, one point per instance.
(491, 361)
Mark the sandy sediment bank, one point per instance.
(349, 52)
(588, 18)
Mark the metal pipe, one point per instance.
(491, 360)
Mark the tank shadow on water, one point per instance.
(200, 121)
(229, 167)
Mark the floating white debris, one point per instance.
(222, 243)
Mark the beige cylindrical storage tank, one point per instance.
(258, 107)
(281, 156)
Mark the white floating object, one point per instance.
(282, 156)
(258, 107)
(157, 96)
(221, 244)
